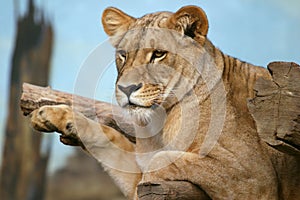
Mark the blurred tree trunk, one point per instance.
(23, 170)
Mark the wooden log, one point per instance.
(33, 97)
(276, 107)
(170, 190)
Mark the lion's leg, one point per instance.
(104, 143)
(219, 181)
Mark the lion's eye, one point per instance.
(158, 55)
(122, 55)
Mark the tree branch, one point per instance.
(171, 190)
(33, 97)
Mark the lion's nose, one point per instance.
(130, 89)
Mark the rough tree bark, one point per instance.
(23, 170)
(275, 109)
(171, 190)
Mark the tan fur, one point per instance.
(182, 90)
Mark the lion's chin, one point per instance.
(151, 117)
(140, 115)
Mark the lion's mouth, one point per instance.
(132, 106)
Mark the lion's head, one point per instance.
(156, 56)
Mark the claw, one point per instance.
(70, 141)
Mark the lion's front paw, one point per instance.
(57, 118)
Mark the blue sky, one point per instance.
(252, 30)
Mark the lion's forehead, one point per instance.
(148, 39)
(153, 20)
(148, 32)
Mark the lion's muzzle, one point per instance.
(139, 95)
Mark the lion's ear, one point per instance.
(190, 20)
(116, 22)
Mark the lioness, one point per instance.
(188, 101)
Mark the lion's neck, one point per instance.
(238, 77)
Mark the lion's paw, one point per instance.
(57, 118)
